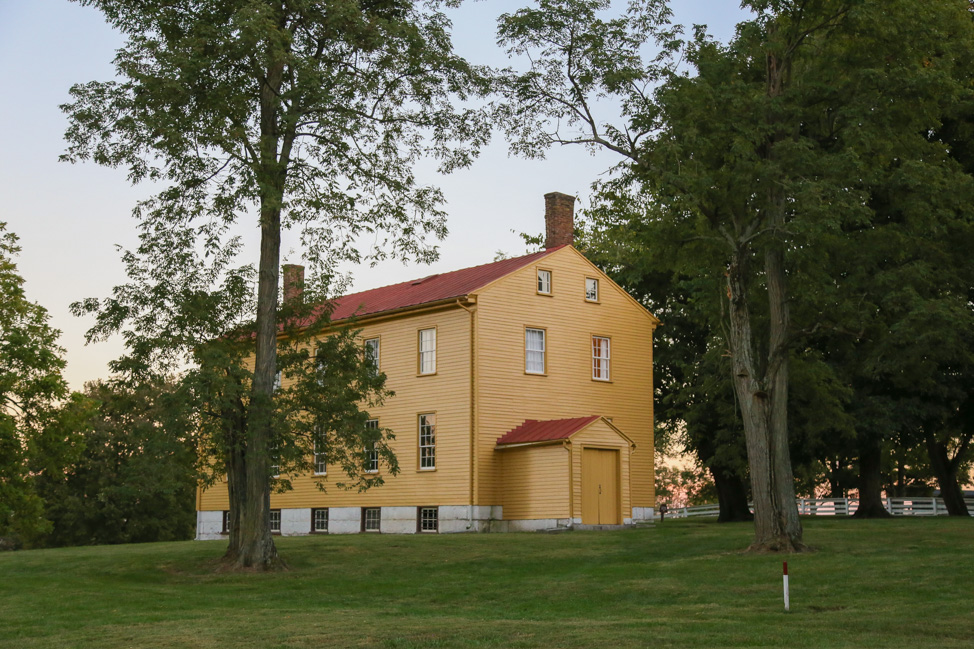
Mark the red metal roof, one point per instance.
(533, 430)
(429, 289)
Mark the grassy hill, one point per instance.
(898, 583)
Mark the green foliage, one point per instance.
(135, 479)
(30, 385)
(311, 115)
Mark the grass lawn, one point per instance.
(895, 583)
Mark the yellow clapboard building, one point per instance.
(523, 401)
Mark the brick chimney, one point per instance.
(559, 217)
(293, 283)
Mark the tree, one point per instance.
(759, 159)
(310, 113)
(30, 386)
(135, 480)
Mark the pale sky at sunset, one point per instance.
(71, 217)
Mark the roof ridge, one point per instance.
(539, 253)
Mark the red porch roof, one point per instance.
(430, 289)
(533, 430)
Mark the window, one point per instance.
(427, 441)
(321, 463)
(277, 381)
(319, 520)
(275, 461)
(321, 366)
(544, 282)
(372, 454)
(591, 289)
(276, 521)
(600, 358)
(427, 351)
(372, 354)
(226, 522)
(371, 519)
(429, 519)
(534, 351)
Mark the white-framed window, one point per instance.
(591, 289)
(372, 454)
(321, 459)
(372, 353)
(277, 381)
(371, 519)
(429, 519)
(226, 522)
(275, 520)
(544, 282)
(534, 351)
(427, 351)
(319, 520)
(427, 441)
(275, 461)
(601, 357)
(321, 367)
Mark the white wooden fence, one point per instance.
(837, 507)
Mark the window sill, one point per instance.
(426, 373)
(526, 373)
(545, 294)
(426, 470)
(594, 380)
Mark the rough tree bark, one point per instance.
(871, 480)
(945, 470)
(731, 497)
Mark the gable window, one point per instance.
(319, 520)
(427, 441)
(429, 519)
(321, 462)
(427, 351)
(372, 454)
(372, 354)
(544, 282)
(600, 358)
(591, 289)
(534, 351)
(371, 519)
(275, 521)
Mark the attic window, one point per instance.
(423, 279)
(544, 282)
(591, 289)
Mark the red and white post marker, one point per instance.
(784, 573)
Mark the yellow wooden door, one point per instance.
(600, 486)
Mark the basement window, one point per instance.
(371, 519)
(319, 520)
(429, 519)
(275, 521)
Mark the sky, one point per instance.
(71, 219)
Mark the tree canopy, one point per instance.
(308, 115)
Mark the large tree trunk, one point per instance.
(256, 547)
(945, 469)
(763, 401)
(871, 503)
(731, 496)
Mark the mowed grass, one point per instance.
(896, 583)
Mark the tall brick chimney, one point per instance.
(559, 217)
(293, 283)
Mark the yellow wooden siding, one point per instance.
(536, 482)
(506, 396)
(600, 435)
(447, 393)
